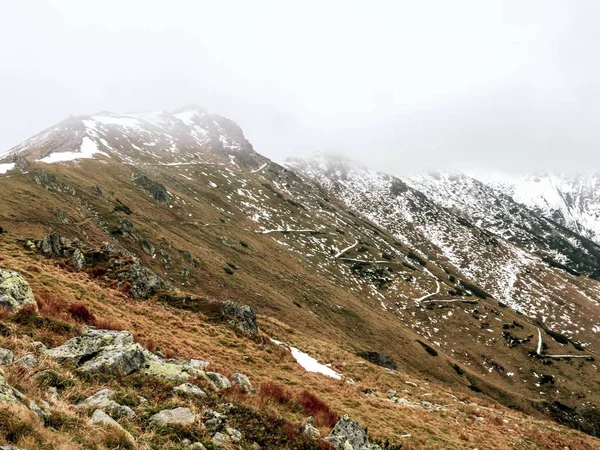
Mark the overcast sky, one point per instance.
(401, 86)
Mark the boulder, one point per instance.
(242, 317)
(6, 356)
(91, 342)
(177, 416)
(220, 382)
(379, 359)
(311, 431)
(9, 447)
(42, 414)
(198, 364)
(220, 439)
(243, 382)
(214, 421)
(144, 282)
(100, 417)
(349, 435)
(15, 293)
(103, 400)
(52, 244)
(7, 394)
(78, 259)
(189, 389)
(29, 361)
(235, 435)
(169, 370)
(197, 446)
(116, 359)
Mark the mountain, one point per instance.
(433, 328)
(569, 199)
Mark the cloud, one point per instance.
(402, 86)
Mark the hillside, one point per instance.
(163, 216)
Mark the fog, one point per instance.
(401, 86)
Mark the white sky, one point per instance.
(399, 85)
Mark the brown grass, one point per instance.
(276, 392)
(314, 406)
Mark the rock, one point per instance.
(109, 248)
(172, 371)
(235, 435)
(29, 361)
(242, 317)
(220, 439)
(29, 245)
(399, 400)
(52, 394)
(52, 244)
(220, 382)
(379, 359)
(7, 394)
(144, 282)
(9, 447)
(103, 400)
(198, 363)
(197, 446)
(53, 379)
(116, 360)
(312, 432)
(78, 260)
(189, 389)
(92, 341)
(100, 417)
(349, 435)
(156, 190)
(6, 356)
(62, 216)
(15, 293)
(148, 248)
(214, 421)
(42, 415)
(243, 382)
(392, 393)
(177, 416)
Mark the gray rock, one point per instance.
(78, 260)
(197, 446)
(243, 382)
(7, 394)
(38, 346)
(312, 432)
(100, 417)
(9, 447)
(392, 393)
(103, 400)
(169, 370)
(6, 356)
(92, 341)
(349, 435)
(52, 244)
(242, 317)
(198, 363)
(144, 282)
(399, 400)
(15, 293)
(220, 439)
(42, 415)
(189, 389)
(116, 359)
(214, 421)
(177, 416)
(109, 248)
(235, 435)
(29, 361)
(148, 248)
(220, 382)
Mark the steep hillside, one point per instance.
(337, 262)
(571, 200)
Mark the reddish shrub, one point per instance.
(276, 392)
(317, 408)
(98, 272)
(50, 304)
(80, 313)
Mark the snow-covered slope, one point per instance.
(159, 138)
(573, 200)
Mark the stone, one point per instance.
(6, 356)
(241, 317)
(9, 447)
(148, 248)
(15, 293)
(198, 363)
(172, 371)
(100, 417)
(220, 439)
(7, 394)
(144, 282)
(243, 382)
(109, 248)
(116, 359)
(197, 446)
(42, 415)
(214, 421)
(235, 435)
(38, 346)
(392, 393)
(349, 435)
(92, 341)
(220, 382)
(103, 400)
(177, 416)
(29, 361)
(312, 432)
(78, 259)
(379, 359)
(52, 244)
(189, 389)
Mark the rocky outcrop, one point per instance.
(349, 435)
(379, 359)
(7, 394)
(218, 381)
(190, 390)
(29, 361)
(177, 416)
(144, 282)
(155, 190)
(53, 245)
(15, 293)
(242, 317)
